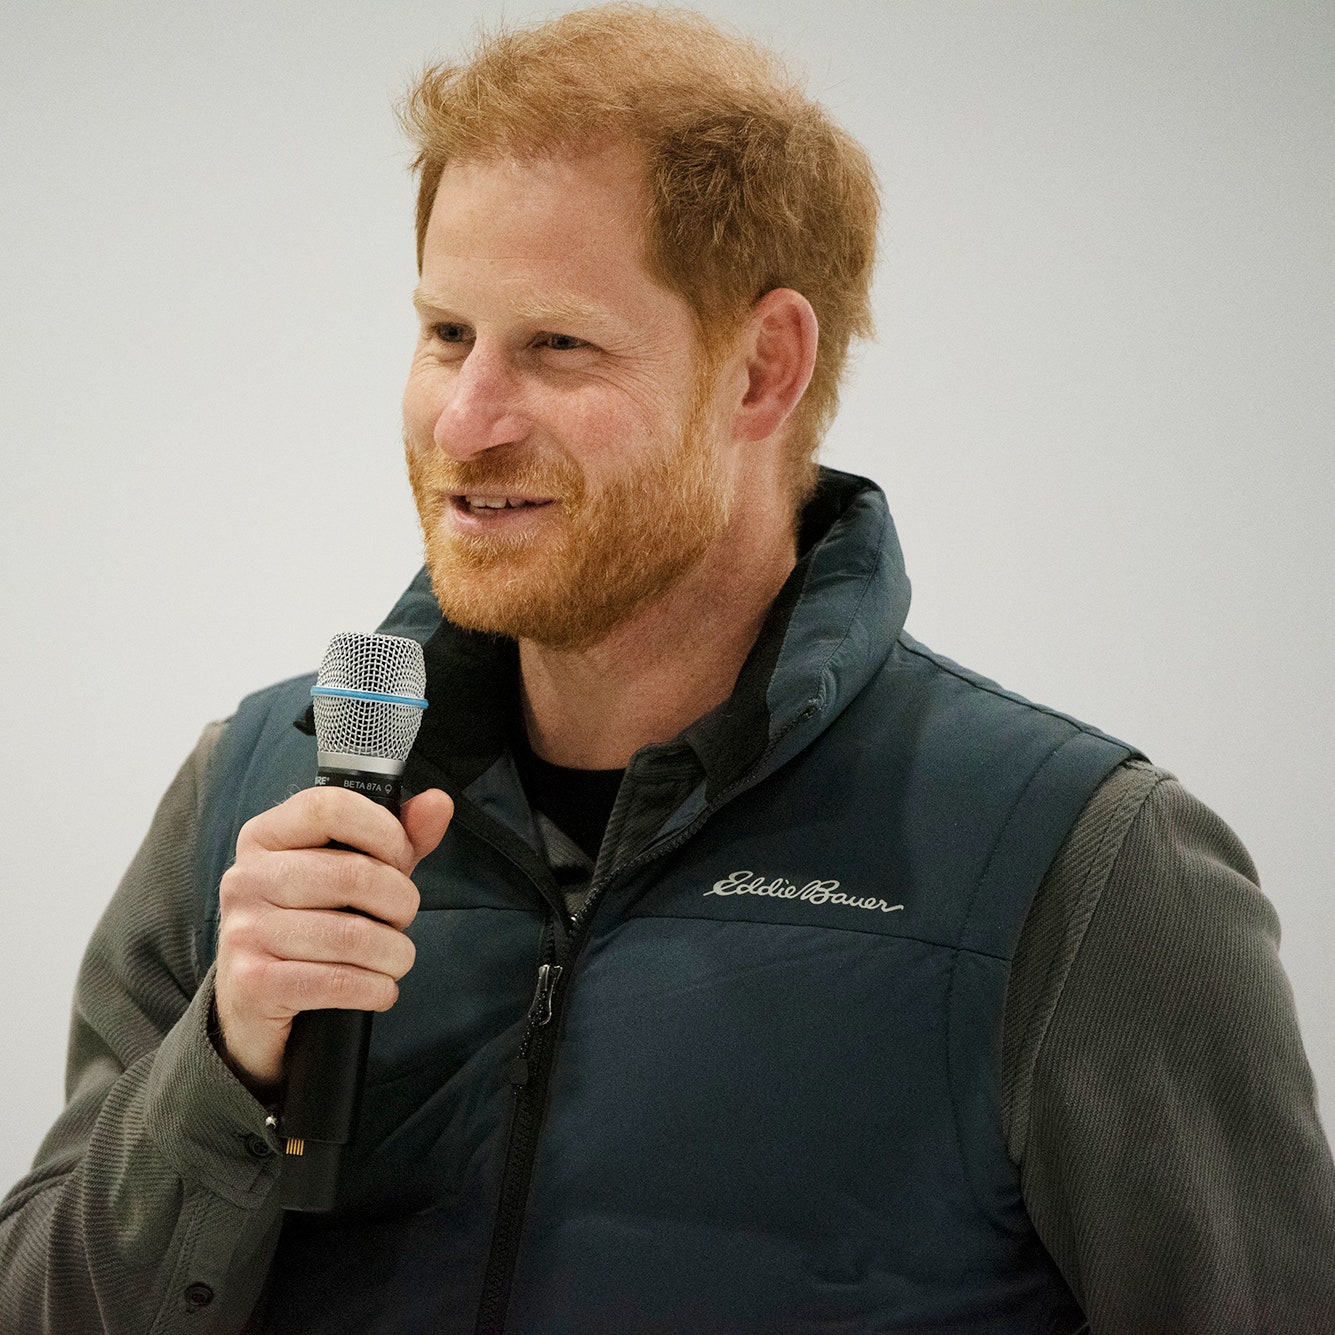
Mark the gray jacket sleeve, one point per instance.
(147, 1206)
(1158, 1099)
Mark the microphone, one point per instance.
(368, 707)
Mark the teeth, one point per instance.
(492, 502)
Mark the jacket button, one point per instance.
(257, 1147)
(198, 1295)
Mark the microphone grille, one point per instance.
(379, 664)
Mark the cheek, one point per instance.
(423, 398)
(611, 428)
(416, 407)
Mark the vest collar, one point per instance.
(831, 627)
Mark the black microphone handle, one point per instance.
(325, 1062)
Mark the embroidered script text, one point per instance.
(814, 892)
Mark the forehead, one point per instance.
(561, 235)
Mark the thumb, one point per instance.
(425, 818)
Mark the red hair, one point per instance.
(749, 185)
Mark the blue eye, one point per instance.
(450, 333)
(563, 342)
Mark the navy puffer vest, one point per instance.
(754, 1087)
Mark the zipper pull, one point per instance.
(540, 1012)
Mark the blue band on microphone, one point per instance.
(343, 694)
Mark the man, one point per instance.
(762, 970)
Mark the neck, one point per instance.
(671, 661)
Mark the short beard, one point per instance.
(611, 553)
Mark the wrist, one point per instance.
(263, 1091)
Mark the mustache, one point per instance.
(517, 469)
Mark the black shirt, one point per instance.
(577, 801)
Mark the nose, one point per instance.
(480, 406)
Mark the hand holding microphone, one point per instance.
(288, 943)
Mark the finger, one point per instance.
(328, 878)
(301, 985)
(326, 936)
(318, 816)
(425, 819)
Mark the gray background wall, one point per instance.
(1101, 402)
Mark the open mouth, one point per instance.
(483, 505)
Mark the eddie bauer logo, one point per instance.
(814, 892)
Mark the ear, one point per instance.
(778, 342)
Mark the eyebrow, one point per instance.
(539, 310)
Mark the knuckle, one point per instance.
(362, 874)
(345, 935)
(308, 815)
(248, 833)
(344, 983)
(245, 977)
(233, 931)
(302, 878)
(233, 889)
(324, 802)
(317, 986)
(347, 987)
(248, 881)
(377, 888)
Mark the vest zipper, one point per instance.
(527, 1073)
(539, 1014)
(530, 1072)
